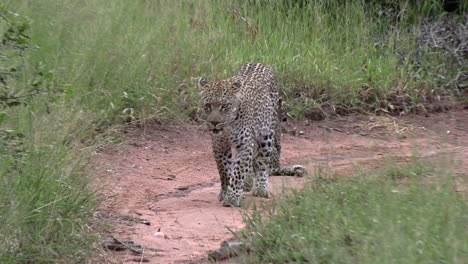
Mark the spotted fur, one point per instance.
(243, 114)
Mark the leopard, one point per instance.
(243, 116)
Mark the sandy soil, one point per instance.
(167, 175)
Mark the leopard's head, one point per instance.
(221, 102)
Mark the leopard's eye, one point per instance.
(225, 107)
(207, 107)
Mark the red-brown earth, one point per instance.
(166, 175)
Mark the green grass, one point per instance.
(141, 59)
(370, 218)
(46, 200)
(99, 64)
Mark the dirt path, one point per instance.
(167, 176)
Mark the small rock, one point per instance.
(145, 222)
(159, 234)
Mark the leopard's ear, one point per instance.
(237, 84)
(202, 82)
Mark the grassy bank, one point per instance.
(46, 200)
(91, 65)
(141, 59)
(387, 216)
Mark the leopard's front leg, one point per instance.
(223, 156)
(263, 162)
(242, 168)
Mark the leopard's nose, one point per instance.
(214, 123)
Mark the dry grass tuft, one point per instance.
(390, 125)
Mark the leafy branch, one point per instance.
(14, 43)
